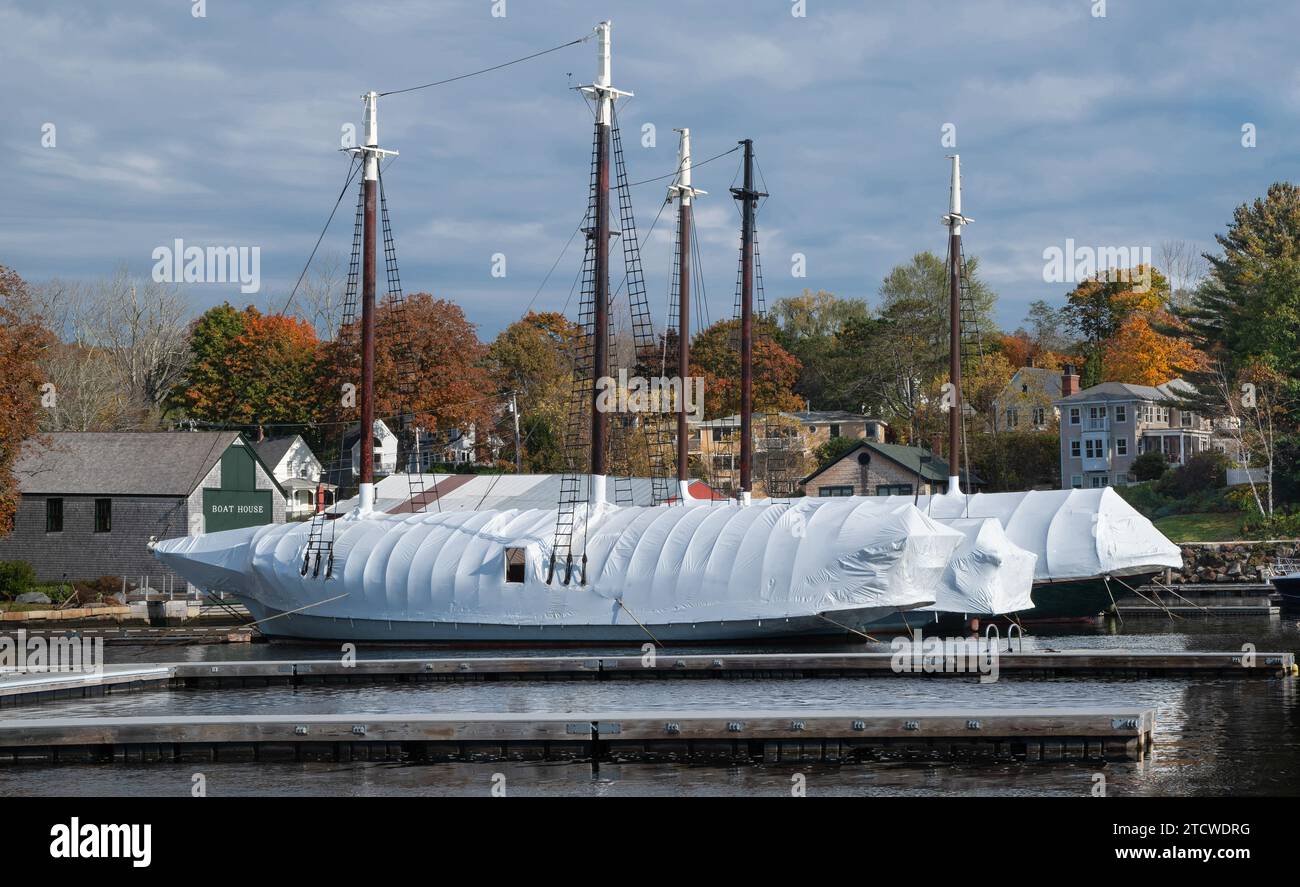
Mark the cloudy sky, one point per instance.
(1122, 130)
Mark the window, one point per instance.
(1186, 418)
(1094, 449)
(1121, 446)
(1100, 481)
(835, 431)
(1074, 415)
(1121, 413)
(103, 515)
(515, 563)
(1121, 480)
(1040, 416)
(1075, 449)
(1013, 417)
(1076, 481)
(54, 515)
(828, 492)
(894, 490)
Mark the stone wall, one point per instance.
(1232, 561)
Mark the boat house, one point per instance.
(91, 502)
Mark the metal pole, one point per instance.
(514, 409)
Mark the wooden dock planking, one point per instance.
(26, 688)
(29, 688)
(1030, 733)
(1076, 663)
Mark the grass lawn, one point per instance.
(11, 607)
(1214, 526)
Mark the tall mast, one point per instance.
(604, 95)
(748, 198)
(954, 220)
(685, 194)
(371, 154)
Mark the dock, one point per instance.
(26, 689)
(1029, 733)
(1202, 599)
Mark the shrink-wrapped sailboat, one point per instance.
(586, 571)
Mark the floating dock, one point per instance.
(1029, 733)
(25, 689)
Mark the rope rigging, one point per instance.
(493, 68)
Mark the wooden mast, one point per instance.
(954, 220)
(604, 94)
(371, 154)
(748, 198)
(685, 194)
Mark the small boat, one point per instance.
(1285, 576)
(1091, 545)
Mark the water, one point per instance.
(1213, 736)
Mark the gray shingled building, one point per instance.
(90, 502)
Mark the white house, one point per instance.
(297, 470)
(385, 443)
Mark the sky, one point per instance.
(223, 129)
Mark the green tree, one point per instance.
(533, 357)
(811, 326)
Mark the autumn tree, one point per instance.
(533, 357)
(1120, 309)
(716, 357)
(24, 339)
(249, 368)
(1140, 355)
(430, 364)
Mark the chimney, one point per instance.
(1069, 380)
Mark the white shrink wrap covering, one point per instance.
(664, 565)
(1076, 534)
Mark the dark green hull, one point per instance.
(1064, 601)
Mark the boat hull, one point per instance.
(1289, 589)
(307, 627)
(1066, 600)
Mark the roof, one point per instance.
(1174, 389)
(135, 463)
(1047, 381)
(918, 461)
(476, 492)
(272, 450)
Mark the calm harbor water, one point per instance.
(1213, 736)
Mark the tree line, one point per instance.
(124, 354)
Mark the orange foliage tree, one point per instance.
(446, 376)
(1139, 355)
(23, 340)
(716, 357)
(259, 368)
